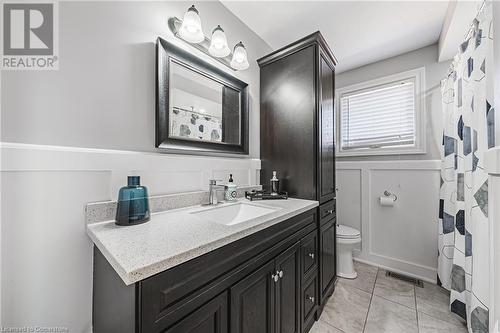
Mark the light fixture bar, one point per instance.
(175, 23)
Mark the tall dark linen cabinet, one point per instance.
(297, 86)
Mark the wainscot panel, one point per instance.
(403, 237)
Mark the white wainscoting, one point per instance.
(402, 238)
(46, 256)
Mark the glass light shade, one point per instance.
(191, 30)
(218, 46)
(240, 60)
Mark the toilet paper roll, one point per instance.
(386, 201)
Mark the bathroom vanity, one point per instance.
(240, 267)
(200, 269)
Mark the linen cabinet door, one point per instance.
(210, 318)
(326, 166)
(288, 290)
(252, 302)
(327, 245)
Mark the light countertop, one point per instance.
(173, 237)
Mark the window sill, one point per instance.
(381, 152)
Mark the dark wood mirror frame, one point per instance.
(166, 53)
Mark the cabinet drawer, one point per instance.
(309, 251)
(309, 299)
(327, 211)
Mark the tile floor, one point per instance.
(375, 303)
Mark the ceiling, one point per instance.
(359, 32)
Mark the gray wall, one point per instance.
(434, 73)
(103, 95)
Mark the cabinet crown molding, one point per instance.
(314, 38)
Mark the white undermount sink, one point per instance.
(234, 213)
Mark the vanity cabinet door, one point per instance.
(288, 291)
(210, 318)
(252, 302)
(327, 259)
(326, 163)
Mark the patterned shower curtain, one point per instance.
(467, 95)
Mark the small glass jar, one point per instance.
(133, 203)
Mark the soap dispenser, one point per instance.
(230, 194)
(275, 184)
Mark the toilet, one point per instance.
(347, 238)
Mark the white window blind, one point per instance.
(377, 117)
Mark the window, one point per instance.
(383, 116)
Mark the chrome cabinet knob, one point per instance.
(330, 211)
(311, 255)
(280, 273)
(310, 298)
(275, 277)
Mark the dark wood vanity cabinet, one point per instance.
(269, 299)
(261, 283)
(297, 90)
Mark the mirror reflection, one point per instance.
(202, 109)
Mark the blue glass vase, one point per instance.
(133, 203)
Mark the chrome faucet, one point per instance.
(212, 191)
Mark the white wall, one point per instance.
(404, 237)
(494, 221)
(103, 96)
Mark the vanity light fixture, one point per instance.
(240, 60)
(218, 46)
(191, 30)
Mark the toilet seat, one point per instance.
(345, 232)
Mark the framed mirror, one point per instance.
(198, 106)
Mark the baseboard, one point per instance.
(396, 270)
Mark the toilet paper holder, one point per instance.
(389, 194)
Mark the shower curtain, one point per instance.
(463, 249)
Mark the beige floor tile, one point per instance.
(428, 324)
(321, 327)
(366, 277)
(434, 301)
(395, 290)
(389, 317)
(347, 309)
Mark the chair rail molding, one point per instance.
(177, 173)
(402, 238)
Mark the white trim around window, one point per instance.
(416, 77)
